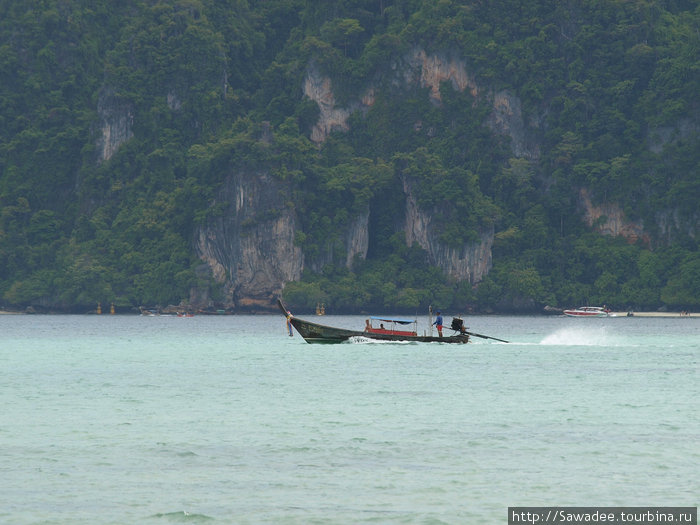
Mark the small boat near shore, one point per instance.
(588, 311)
(396, 330)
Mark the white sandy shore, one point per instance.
(656, 314)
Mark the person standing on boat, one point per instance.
(438, 323)
(289, 323)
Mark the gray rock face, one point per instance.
(250, 251)
(470, 262)
(115, 124)
(250, 247)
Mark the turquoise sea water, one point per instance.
(158, 420)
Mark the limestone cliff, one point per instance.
(350, 243)
(250, 247)
(319, 88)
(357, 239)
(670, 224)
(428, 71)
(116, 119)
(250, 251)
(470, 262)
(506, 117)
(609, 219)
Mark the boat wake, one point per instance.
(581, 337)
(360, 340)
(183, 517)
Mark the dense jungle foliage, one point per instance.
(612, 84)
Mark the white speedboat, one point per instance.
(588, 311)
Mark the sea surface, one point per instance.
(226, 419)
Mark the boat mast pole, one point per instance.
(430, 320)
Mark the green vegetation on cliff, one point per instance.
(608, 92)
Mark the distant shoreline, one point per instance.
(633, 313)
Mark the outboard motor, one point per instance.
(457, 325)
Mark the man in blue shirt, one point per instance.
(438, 323)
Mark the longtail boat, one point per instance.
(395, 330)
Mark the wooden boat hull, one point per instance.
(318, 333)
